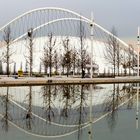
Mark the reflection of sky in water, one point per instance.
(20, 94)
(124, 129)
(100, 94)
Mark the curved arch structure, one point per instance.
(67, 14)
(42, 9)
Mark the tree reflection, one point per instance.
(81, 109)
(28, 116)
(129, 92)
(74, 104)
(66, 101)
(120, 95)
(6, 116)
(75, 89)
(111, 105)
(48, 101)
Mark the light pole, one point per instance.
(91, 75)
(137, 106)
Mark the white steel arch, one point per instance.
(42, 9)
(50, 22)
(67, 11)
(74, 19)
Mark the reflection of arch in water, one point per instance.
(68, 133)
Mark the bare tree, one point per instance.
(129, 60)
(56, 61)
(45, 60)
(112, 51)
(29, 58)
(83, 54)
(7, 56)
(62, 63)
(118, 58)
(82, 51)
(129, 63)
(49, 53)
(67, 58)
(132, 61)
(74, 59)
(124, 63)
(78, 65)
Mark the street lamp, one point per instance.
(137, 108)
(91, 75)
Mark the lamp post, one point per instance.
(91, 75)
(137, 106)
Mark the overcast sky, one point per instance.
(123, 14)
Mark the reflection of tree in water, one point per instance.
(75, 89)
(111, 105)
(130, 92)
(28, 115)
(74, 104)
(56, 88)
(81, 109)
(48, 93)
(6, 115)
(66, 101)
(120, 95)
